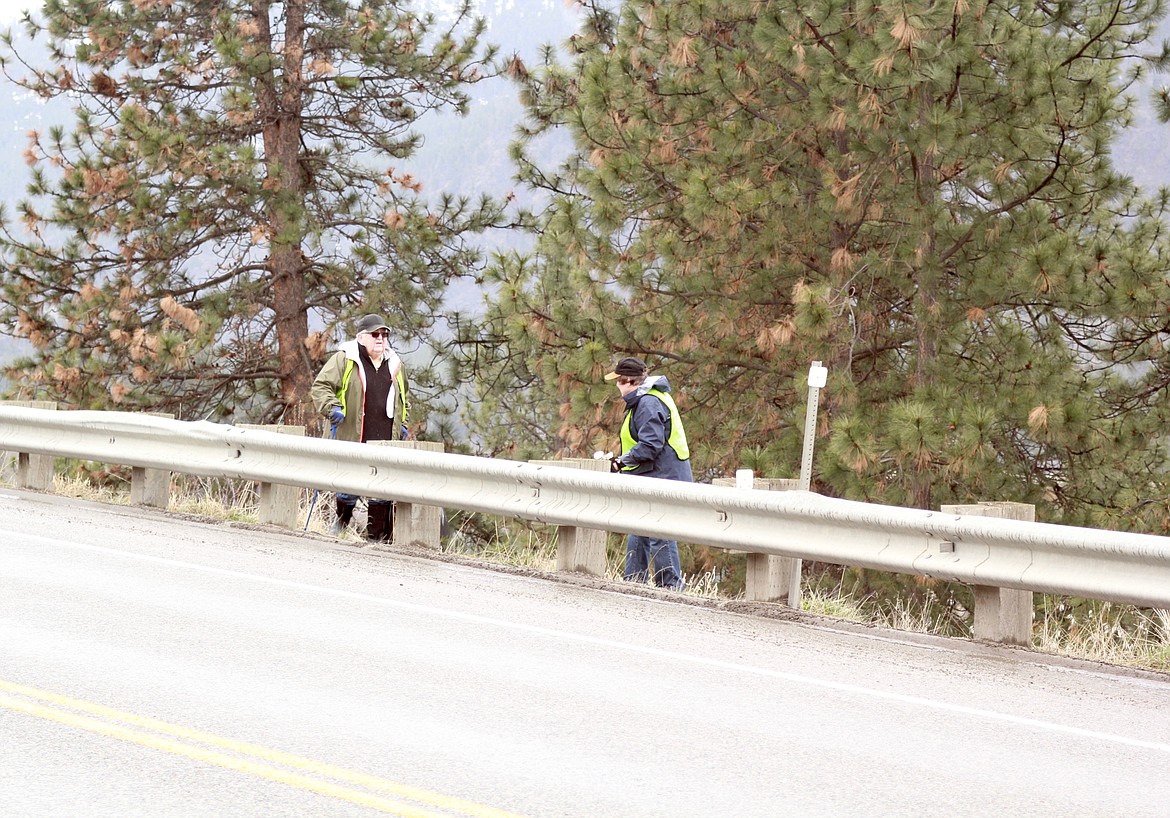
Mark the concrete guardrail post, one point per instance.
(278, 504)
(151, 487)
(416, 524)
(33, 471)
(769, 577)
(1001, 614)
(579, 549)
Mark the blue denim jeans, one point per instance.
(642, 551)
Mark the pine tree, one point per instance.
(235, 185)
(917, 194)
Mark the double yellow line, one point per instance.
(295, 771)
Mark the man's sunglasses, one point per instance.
(378, 334)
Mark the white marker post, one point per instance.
(818, 376)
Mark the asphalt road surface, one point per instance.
(151, 666)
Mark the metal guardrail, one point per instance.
(1092, 563)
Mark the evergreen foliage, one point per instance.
(234, 186)
(917, 194)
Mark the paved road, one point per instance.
(155, 667)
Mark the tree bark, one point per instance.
(281, 109)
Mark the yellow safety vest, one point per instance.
(350, 364)
(677, 439)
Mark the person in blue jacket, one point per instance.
(654, 444)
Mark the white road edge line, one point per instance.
(624, 646)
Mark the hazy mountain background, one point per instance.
(470, 154)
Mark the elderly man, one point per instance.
(362, 390)
(653, 445)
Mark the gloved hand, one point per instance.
(336, 415)
(615, 465)
(405, 432)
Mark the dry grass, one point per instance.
(80, 488)
(833, 604)
(318, 513)
(1102, 638)
(214, 497)
(498, 540)
(704, 585)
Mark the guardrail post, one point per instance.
(415, 524)
(1001, 614)
(151, 487)
(33, 471)
(579, 549)
(769, 578)
(277, 503)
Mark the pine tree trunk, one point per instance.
(292, 327)
(286, 262)
(929, 282)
